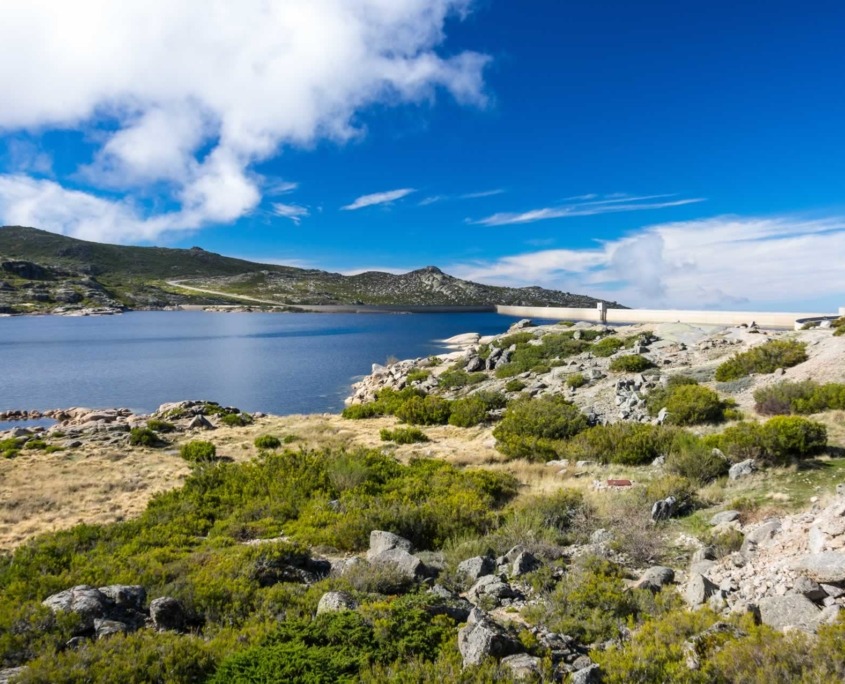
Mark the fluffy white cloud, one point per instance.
(189, 94)
(378, 198)
(722, 262)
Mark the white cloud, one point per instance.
(434, 199)
(279, 187)
(483, 193)
(378, 198)
(188, 95)
(710, 263)
(294, 212)
(611, 205)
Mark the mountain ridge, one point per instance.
(43, 271)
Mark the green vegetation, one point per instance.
(198, 451)
(418, 375)
(576, 380)
(534, 357)
(403, 435)
(838, 327)
(788, 397)
(607, 347)
(162, 426)
(428, 410)
(535, 428)
(144, 437)
(236, 419)
(514, 385)
(764, 358)
(630, 363)
(623, 443)
(267, 442)
(687, 402)
(9, 448)
(775, 442)
(454, 379)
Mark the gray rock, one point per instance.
(87, 602)
(344, 565)
(475, 364)
(699, 589)
(522, 665)
(589, 675)
(524, 563)
(381, 541)
(655, 578)
(704, 553)
(809, 588)
(473, 568)
(724, 517)
(742, 469)
(132, 596)
(167, 614)
(817, 540)
(335, 602)
(107, 628)
(8, 674)
(664, 509)
(827, 567)
(601, 536)
(200, 423)
(762, 535)
(832, 590)
(491, 586)
(662, 415)
(406, 563)
(702, 567)
(482, 637)
(791, 610)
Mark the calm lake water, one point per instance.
(277, 363)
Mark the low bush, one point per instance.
(576, 380)
(267, 442)
(198, 451)
(36, 444)
(764, 358)
(236, 419)
(695, 461)
(838, 327)
(624, 443)
(10, 447)
(630, 363)
(691, 404)
(775, 442)
(162, 426)
(360, 411)
(807, 396)
(403, 435)
(514, 385)
(538, 358)
(454, 379)
(418, 375)
(468, 411)
(607, 346)
(144, 437)
(534, 428)
(428, 410)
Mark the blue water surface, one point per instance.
(277, 363)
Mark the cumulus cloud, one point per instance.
(580, 206)
(378, 198)
(719, 262)
(187, 96)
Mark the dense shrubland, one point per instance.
(764, 358)
(799, 397)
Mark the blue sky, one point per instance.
(662, 154)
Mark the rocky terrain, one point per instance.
(586, 562)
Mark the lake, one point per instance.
(276, 363)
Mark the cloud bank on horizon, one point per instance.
(189, 96)
(725, 262)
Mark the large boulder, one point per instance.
(522, 666)
(524, 563)
(827, 567)
(126, 596)
(472, 569)
(724, 518)
(87, 602)
(406, 563)
(699, 589)
(167, 614)
(336, 602)
(588, 675)
(492, 587)
(482, 637)
(381, 541)
(791, 610)
(742, 469)
(655, 578)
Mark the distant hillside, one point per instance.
(43, 271)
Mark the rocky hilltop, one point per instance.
(44, 272)
(560, 503)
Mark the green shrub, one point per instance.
(576, 380)
(143, 437)
(388, 401)
(807, 396)
(418, 375)
(776, 442)
(403, 435)
(695, 461)
(607, 346)
(10, 447)
(630, 363)
(513, 339)
(36, 444)
(694, 405)
(360, 411)
(764, 358)
(537, 358)
(429, 410)
(236, 419)
(454, 379)
(162, 426)
(624, 443)
(838, 327)
(514, 385)
(198, 451)
(267, 442)
(468, 411)
(533, 428)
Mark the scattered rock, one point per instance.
(524, 563)
(724, 517)
(742, 469)
(522, 666)
(698, 590)
(490, 586)
(792, 610)
(589, 675)
(827, 567)
(167, 614)
(381, 541)
(473, 568)
(655, 578)
(335, 602)
(482, 637)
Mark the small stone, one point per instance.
(655, 578)
(699, 589)
(335, 602)
(724, 517)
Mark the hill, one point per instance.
(45, 271)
